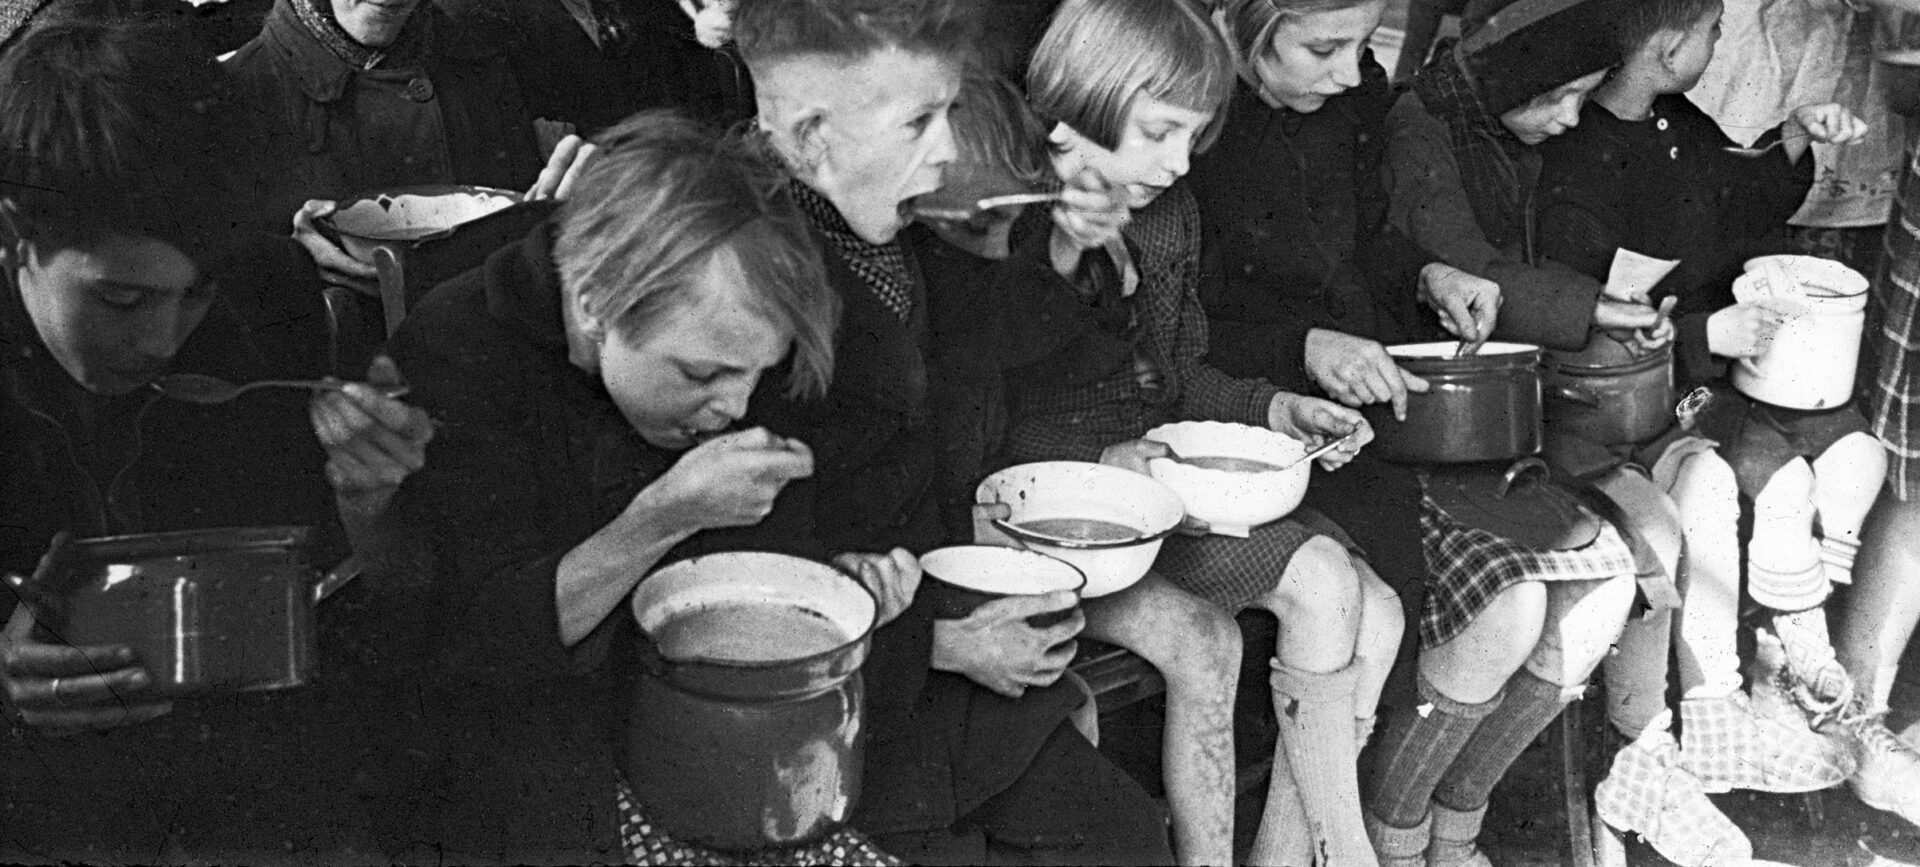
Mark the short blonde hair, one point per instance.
(1097, 55)
(1249, 25)
(658, 199)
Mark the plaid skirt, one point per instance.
(1232, 573)
(648, 845)
(1891, 341)
(1467, 567)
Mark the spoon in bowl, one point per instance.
(208, 390)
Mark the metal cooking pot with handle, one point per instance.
(1607, 396)
(224, 609)
(1482, 407)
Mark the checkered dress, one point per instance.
(1467, 567)
(1894, 343)
(648, 845)
(1170, 330)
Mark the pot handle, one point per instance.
(339, 576)
(1574, 394)
(1520, 468)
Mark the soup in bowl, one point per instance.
(1106, 521)
(1233, 476)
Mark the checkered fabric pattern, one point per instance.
(1648, 791)
(1468, 567)
(1171, 330)
(883, 267)
(1895, 342)
(1232, 573)
(1726, 746)
(648, 845)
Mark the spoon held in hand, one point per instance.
(208, 390)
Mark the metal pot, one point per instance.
(1482, 407)
(738, 753)
(1610, 398)
(222, 609)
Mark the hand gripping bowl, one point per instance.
(1232, 501)
(1106, 521)
(410, 215)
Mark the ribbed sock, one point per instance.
(1420, 743)
(1315, 712)
(1531, 704)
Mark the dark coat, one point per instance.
(1296, 237)
(451, 112)
(232, 778)
(1664, 187)
(1541, 301)
(1294, 211)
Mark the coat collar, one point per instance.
(324, 77)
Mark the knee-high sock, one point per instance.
(1420, 743)
(1315, 712)
(1531, 704)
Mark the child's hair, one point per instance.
(993, 126)
(659, 198)
(1249, 25)
(114, 129)
(1097, 55)
(772, 29)
(1639, 21)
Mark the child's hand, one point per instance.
(1745, 330)
(1830, 123)
(1314, 421)
(1091, 213)
(1468, 305)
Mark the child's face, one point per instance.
(1695, 50)
(1553, 112)
(1316, 56)
(114, 312)
(1156, 144)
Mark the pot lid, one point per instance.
(1448, 349)
(1516, 502)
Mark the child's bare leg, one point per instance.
(1885, 603)
(1636, 674)
(1382, 621)
(1315, 677)
(1708, 497)
(1195, 645)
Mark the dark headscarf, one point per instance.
(1514, 50)
(1519, 49)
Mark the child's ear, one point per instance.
(1666, 44)
(1068, 156)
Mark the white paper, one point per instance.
(1634, 275)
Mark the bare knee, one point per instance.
(1188, 639)
(1320, 585)
(1381, 613)
(1510, 626)
(1705, 488)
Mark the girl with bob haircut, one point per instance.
(972, 757)
(587, 377)
(1133, 88)
(1509, 632)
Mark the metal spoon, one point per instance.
(202, 389)
(929, 208)
(1754, 152)
(1328, 446)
